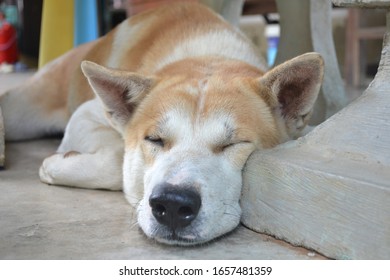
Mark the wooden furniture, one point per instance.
(354, 35)
(259, 7)
(330, 190)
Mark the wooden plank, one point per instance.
(314, 202)
(259, 7)
(352, 44)
(371, 32)
(363, 3)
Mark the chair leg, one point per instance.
(352, 49)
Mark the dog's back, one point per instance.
(146, 42)
(149, 41)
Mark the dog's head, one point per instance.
(189, 131)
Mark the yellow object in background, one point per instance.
(56, 29)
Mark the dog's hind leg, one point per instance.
(39, 107)
(28, 114)
(90, 155)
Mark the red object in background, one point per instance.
(8, 46)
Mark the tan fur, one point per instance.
(79, 90)
(61, 74)
(179, 23)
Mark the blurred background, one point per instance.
(21, 26)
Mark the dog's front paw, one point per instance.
(49, 169)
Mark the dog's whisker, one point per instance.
(134, 225)
(231, 214)
(233, 204)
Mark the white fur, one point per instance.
(25, 120)
(122, 43)
(98, 164)
(216, 43)
(190, 162)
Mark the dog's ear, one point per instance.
(291, 90)
(119, 91)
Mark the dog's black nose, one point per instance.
(174, 206)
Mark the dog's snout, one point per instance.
(174, 206)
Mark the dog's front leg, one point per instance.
(100, 170)
(90, 155)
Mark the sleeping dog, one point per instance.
(168, 107)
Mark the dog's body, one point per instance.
(188, 106)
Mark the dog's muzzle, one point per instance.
(174, 206)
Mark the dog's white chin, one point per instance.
(187, 240)
(195, 234)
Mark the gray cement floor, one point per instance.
(38, 221)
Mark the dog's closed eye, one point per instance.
(225, 146)
(155, 140)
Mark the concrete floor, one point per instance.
(38, 221)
